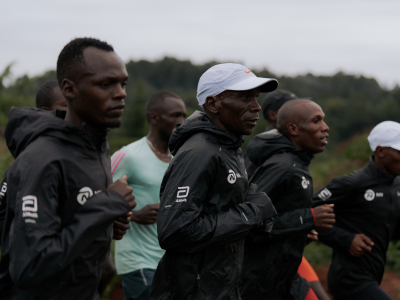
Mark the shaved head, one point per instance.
(294, 111)
(302, 122)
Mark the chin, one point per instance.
(114, 124)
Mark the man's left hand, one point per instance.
(121, 225)
(312, 236)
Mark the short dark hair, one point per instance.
(45, 94)
(156, 100)
(72, 53)
(274, 100)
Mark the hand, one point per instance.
(360, 244)
(121, 187)
(312, 236)
(147, 215)
(262, 201)
(324, 216)
(121, 225)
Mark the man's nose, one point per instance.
(255, 106)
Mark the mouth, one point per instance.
(252, 122)
(324, 139)
(119, 109)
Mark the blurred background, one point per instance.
(342, 54)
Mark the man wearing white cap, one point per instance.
(367, 206)
(206, 206)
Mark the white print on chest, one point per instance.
(304, 182)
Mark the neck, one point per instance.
(74, 119)
(217, 122)
(159, 145)
(379, 163)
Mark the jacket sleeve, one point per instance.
(338, 192)
(41, 245)
(183, 224)
(270, 177)
(295, 221)
(3, 204)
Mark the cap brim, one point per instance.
(265, 84)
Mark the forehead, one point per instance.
(231, 93)
(172, 104)
(311, 110)
(100, 63)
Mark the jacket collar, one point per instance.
(378, 173)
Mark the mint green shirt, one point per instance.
(139, 248)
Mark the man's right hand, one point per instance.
(262, 201)
(147, 215)
(120, 186)
(324, 216)
(360, 244)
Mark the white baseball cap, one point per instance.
(385, 134)
(232, 77)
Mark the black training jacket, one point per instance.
(203, 216)
(59, 215)
(366, 201)
(270, 263)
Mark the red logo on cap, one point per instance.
(247, 72)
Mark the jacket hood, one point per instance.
(199, 122)
(268, 143)
(26, 124)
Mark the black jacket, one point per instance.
(59, 215)
(203, 216)
(270, 263)
(366, 201)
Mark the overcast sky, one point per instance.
(287, 37)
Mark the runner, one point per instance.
(270, 107)
(270, 263)
(144, 162)
(367, 206)
(61, 203)
(49, 97)
(206, 206)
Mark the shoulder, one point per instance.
(283, 161)
(129, 153)
(200, 145)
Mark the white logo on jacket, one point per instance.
(183, 192)
(369, 195)
(29, 207)
(84, 194)
(324, 194)
(3, 189)
(232, 177)
(305, 183)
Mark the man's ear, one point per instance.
(153, 118)
(272, 115)
(212, 104)
(380, 152)
(293, 129)
(68, 89)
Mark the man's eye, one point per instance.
(104, 85)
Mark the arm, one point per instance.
(40, 245)
(183, 224)
(272, 179)
(337, 192)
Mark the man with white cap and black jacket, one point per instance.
(206, 206)
(367, 206)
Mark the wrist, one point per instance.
(313, 214)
